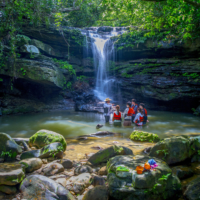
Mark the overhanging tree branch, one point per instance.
(193, 3)
(74, 8)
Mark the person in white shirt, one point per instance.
(139, 118)
(107, 109)
(128, 114)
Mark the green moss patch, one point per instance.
(144, 136)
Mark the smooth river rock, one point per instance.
(77, 184)
(51, 150)
(11, 174)
(32, 164)
(105, 154)
(83, 169)
(45, 137)
(52, 169)
(35, 186)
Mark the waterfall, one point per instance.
(103, 52)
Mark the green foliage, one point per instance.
(122, 169)
(195, 112)
(1, 80)
(144, 136)
(65, 65)
(23, 71)
(9, 154)
(192, 75)
(82, 78)
(164, 152)
(59, 149)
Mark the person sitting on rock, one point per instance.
(107, 109)
(142, 106)
(128, 114)
(117, 117)
(134, 106)
(139, 118)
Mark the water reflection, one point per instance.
(72, 124)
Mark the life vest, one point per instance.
(145, 111)
(117, 117)
(141, 119)
(130, 112)
(133, 107)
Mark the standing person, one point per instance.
(134, 106)
(107, 109)
(117, 117)
(139, 118)
(128, 114)
(142, 106)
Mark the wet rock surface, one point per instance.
(128, 184)
(182, 172)
(36, 186)
(173, 150)
(105, 154)
(46, 137)
(31, 164)
(97, 193)
(52, 169)
(192, 190)
(67, 164)
(77, 184)
(83, 169)
(11, 174)
(54, 150)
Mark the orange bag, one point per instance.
(139, 169)
(147, 166)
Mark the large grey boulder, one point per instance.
(11, 174)
(35, 186)
(46, 49)
(54, 150)
(173, 150)
(128, 184)
(8, 146)
(97, 193)
(105, 154)
(44, 137)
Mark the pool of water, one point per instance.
(72, 124)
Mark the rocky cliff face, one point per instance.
(165, 76)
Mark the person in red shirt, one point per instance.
(142, 106)
(117, 117)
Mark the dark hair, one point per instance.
(117, 106)
(142, 104)
(128, 103)
(141, 111)
(133, 100)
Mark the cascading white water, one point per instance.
(101, 55)
(103, 51)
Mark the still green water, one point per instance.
(72, 124)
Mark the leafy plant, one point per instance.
(164, 151)
(8, 154)
(23, 71)
(195, 112)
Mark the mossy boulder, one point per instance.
(8, 146)
(44, 137)
(52, 150)
(11, 174)
(104, 155)
(173, 150)
(144, 136)
(149, 185)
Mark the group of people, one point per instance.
(134, 113)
